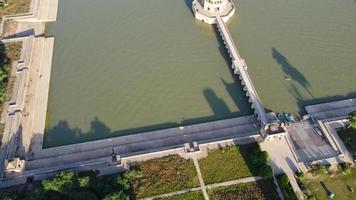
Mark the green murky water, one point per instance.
(123, 67)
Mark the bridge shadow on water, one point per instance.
(189, 4)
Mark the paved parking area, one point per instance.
(308, 144)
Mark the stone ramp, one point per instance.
(47, 10)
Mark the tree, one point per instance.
(345, 167)
(266, 172)
(64, 182)
(319, 169)
(116, 196)
(84, 196)
(84, 181)
(37, 194)
(284, 181)
(5, 196)
(352, 119)
(104, 186)
(311, 197)
(133, 174)
(259, 157)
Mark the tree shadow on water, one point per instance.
(302, 102)
(63, 134)
(217, 104)
(290, 70)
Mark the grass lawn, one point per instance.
(15, 7)
(186, 196)
(262, 189)
(228, 163)
(348, 136)
(338, 184)
(164, 175)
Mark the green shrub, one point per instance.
(300, 175)
(319, 169)
(259, 157)
(345, 167)
(64, 182)
(286, 188)
(6, 196)
(352, 119)
(311, 197)
(284, 181)
(266, 172)
(84, 196)
(133, 174)
(71, 186)
(84, 182)
(37, 194)
(116, 196)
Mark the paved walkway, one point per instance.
(201, 180)
(282, 160)
(234, 182)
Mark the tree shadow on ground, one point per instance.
(249, 149)
(324, 187)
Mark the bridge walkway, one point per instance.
(240, 68)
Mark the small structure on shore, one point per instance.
(208, 10)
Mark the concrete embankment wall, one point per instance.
(18, 116)
(106, 166)
(143, 142)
